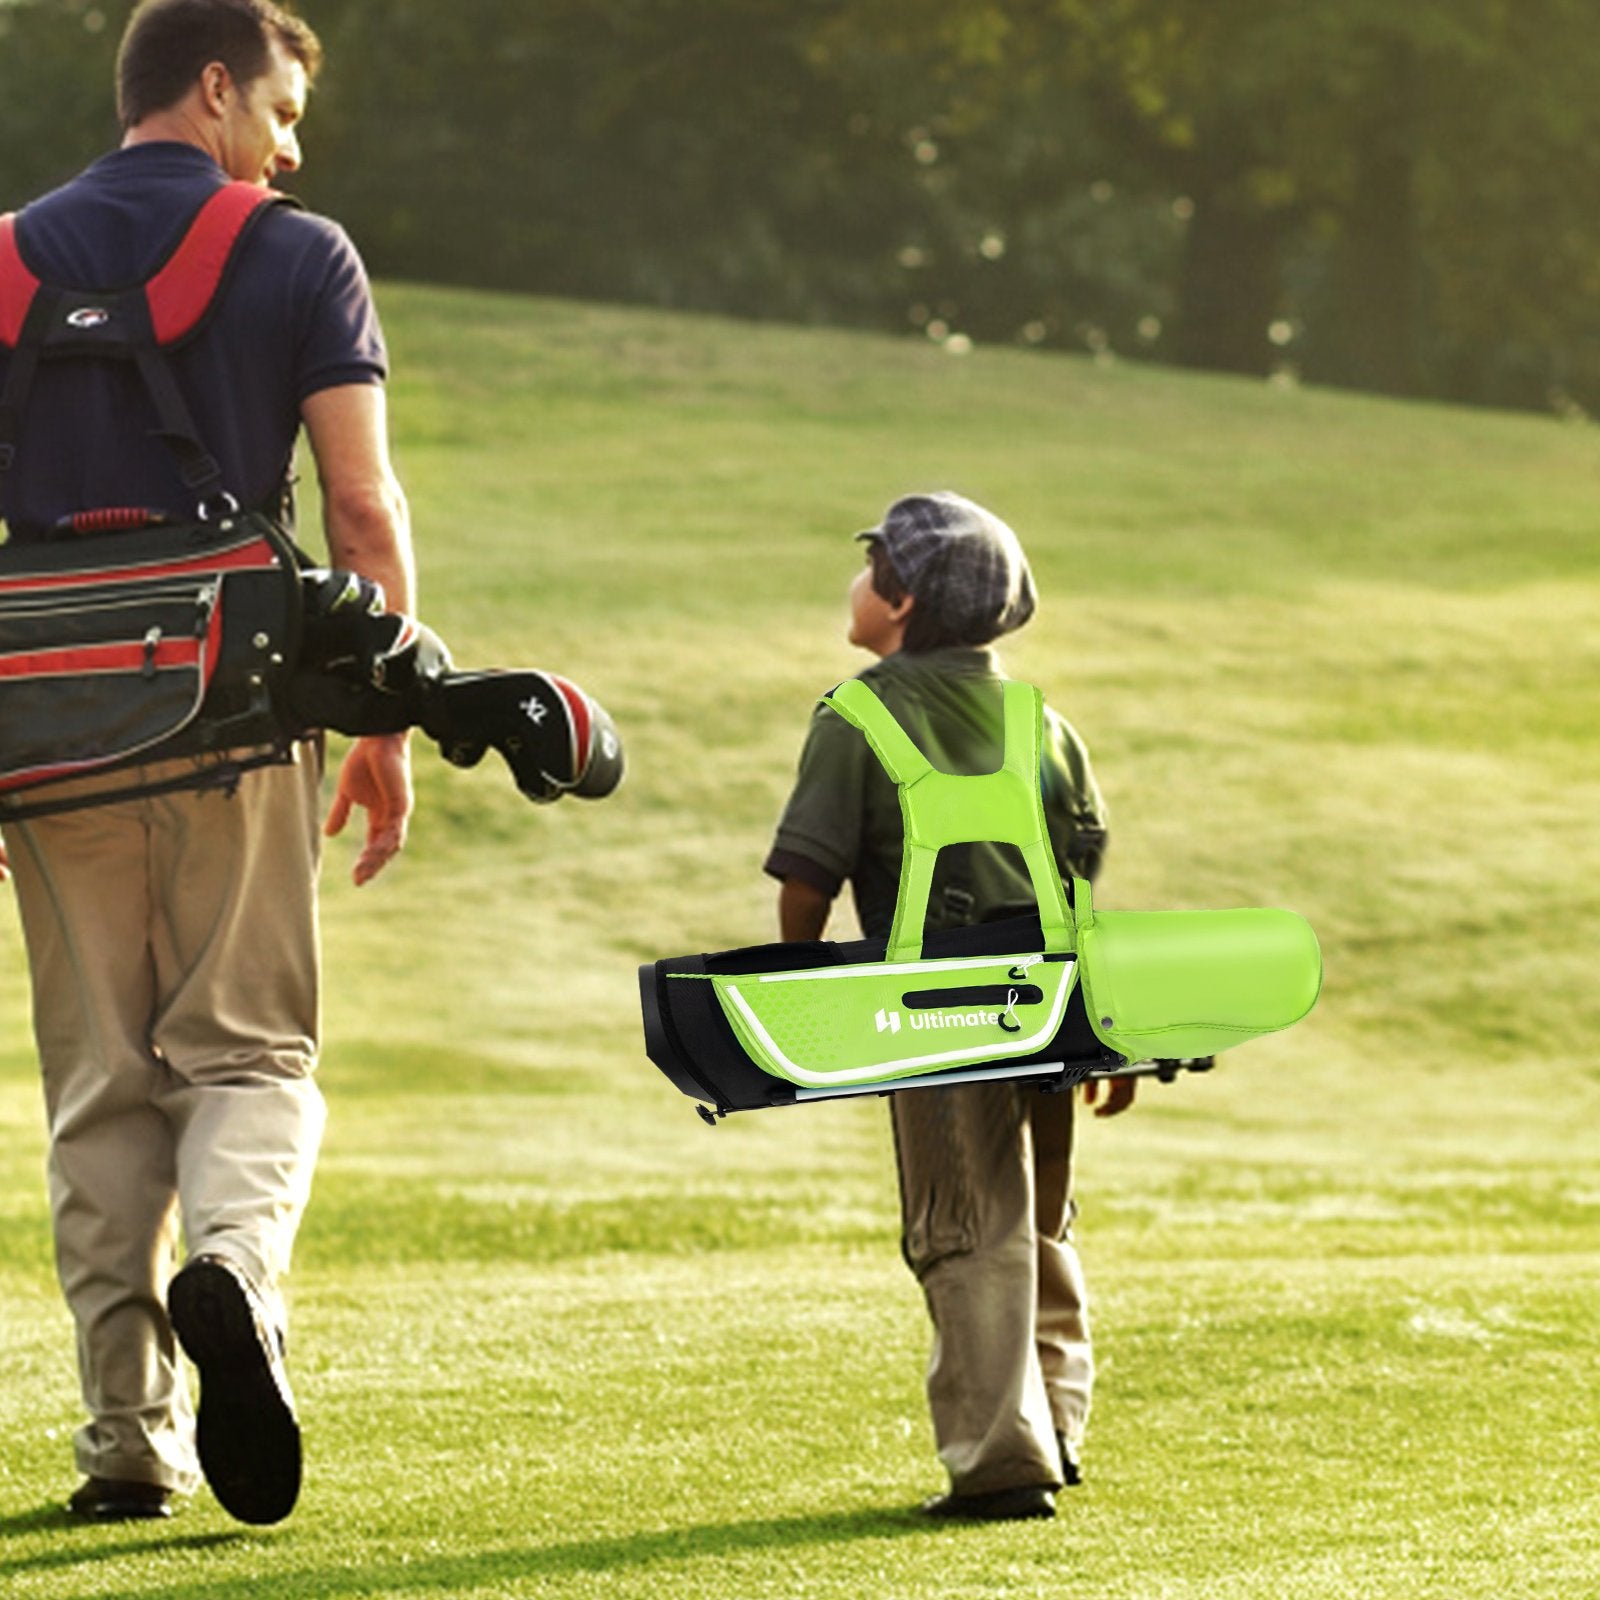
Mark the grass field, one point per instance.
(553, 1337)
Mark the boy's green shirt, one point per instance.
(843, 823)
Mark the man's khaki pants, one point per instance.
(986, 1196)
(173, 948)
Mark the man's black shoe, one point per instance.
(1071, 1472)
(998, 1505)
(120, 1500)
(246, 1432)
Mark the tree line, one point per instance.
(1397, 198)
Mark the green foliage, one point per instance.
(554, 1338)
(1402, 198)
(57, 108)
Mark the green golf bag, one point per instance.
(1069, 994)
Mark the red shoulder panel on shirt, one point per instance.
(183, 289)
(17, 285)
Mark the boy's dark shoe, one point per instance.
(120, 1500)
(246, 1432)
(998, 1505)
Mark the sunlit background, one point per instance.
(1402, 198)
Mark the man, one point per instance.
(172, 940)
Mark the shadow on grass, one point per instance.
(476, 1569)
(81, 1543)
(35, 1521)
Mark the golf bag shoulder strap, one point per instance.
(943, 808)
(18, 285)
(41, 321)
(179, 296)
(19, 292)
(182, 294)
(890, 743)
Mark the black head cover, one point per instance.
(554, 738)
(363, 672)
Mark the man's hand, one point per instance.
(376, 775)
(1119, 1094)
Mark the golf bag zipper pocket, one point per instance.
(103, 615)
(100, 676)
(138, 645)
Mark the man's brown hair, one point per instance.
(169, 43)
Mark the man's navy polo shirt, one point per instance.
(295, 316)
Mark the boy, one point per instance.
(984, 1169)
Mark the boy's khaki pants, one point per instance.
(985, 1189)
(172, 943)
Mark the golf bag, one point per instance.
(125, 633)
(1057, 997)
(129, 636)
(161, 673)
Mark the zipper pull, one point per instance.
(205, 604)
(151, 639)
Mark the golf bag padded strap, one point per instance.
(891, 744)
(146, 321)
(180, 294)
(17, 285)
(1082, 903)
(944, 808)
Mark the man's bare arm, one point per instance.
(368, 529)
(364, 511)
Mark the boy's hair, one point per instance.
(168, 43)
(962, 565)
(925, 630)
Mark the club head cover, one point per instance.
(362, 671)
(327, 592)
(554, 738)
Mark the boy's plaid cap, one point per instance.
(958, 561)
